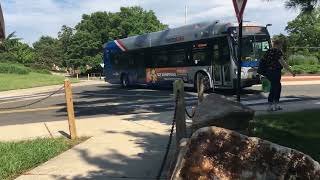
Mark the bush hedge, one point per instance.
(9, 68)
(308, 69)
(302, 60)
(6, 68)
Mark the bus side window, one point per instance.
(177, 59)
(224, 51)
(125, 61)
(216, 54)
(201, 58)
(115, 61)
(139, 60)
(221, 53)
(160, 60)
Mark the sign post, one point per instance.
(239, 7)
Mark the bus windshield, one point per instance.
(254, 47)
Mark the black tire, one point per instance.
(124, 81)
(206, 81)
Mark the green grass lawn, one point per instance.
(19, 157)
(298, 130)
(16, 81)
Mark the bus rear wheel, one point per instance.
(206, 82)
(124, 81)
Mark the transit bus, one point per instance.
(207, 49)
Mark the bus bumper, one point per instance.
(248, 82)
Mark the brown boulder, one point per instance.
(217, 153)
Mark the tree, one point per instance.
(14, 51)
(86, 44)
(10, 42)
(48, 51)
(64, 36)
(305, 29)
(304, 5)
(285, 42)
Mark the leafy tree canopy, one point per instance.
(85, 43)
(304, 5)
(305, 29)
(48, 51)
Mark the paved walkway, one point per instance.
(289, 107)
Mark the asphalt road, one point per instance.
(103, 100)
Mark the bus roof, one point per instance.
(168, 36)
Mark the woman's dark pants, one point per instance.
(274, 76)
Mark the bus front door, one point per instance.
(227, 75)
(217, 75)
(216, 67)
(221, 63)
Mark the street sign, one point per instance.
(239, 6)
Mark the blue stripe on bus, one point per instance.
(113, 47)
(250, 64)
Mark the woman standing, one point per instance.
(274, 64)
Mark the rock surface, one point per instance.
(216, 110)
(219, 154)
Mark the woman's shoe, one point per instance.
(277, 107)
(271, 108)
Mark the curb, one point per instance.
(300, 78)
(43, 89)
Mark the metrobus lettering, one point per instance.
(166, 74)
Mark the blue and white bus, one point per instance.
(206, 49)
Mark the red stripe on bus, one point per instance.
(122, 45)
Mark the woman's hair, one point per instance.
(277, 43)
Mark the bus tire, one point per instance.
(206, 81)
(124, 81)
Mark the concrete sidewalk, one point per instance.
(288, 107)
(122, 147)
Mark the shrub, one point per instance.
(297, 70)
(301, 60)
(7, 68)
(310, 69)
(41, 71)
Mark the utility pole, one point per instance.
(239, 61)
(186, 15)
(239, 7)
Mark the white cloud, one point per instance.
(33, 18)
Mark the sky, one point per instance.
(32, 19)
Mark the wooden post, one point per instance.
(70, 109)
(200, 88)
(181, 130)
(77, 76)
(88, 77)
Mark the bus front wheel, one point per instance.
(124, 81)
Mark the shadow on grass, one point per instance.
(299, 130)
